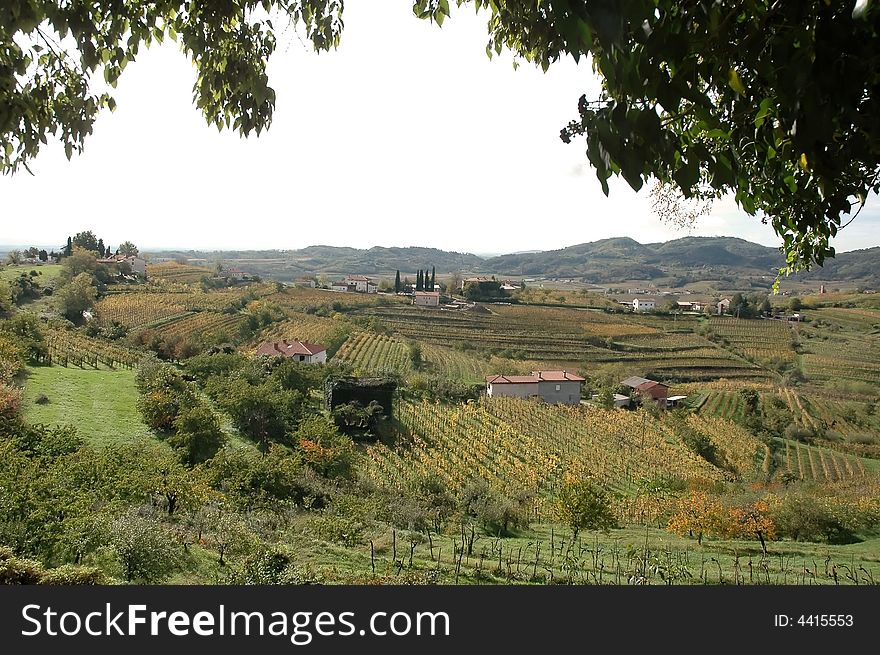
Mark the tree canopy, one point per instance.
(773, 102)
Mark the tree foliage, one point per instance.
(76, 297)
(582, 505)
(774, 102)
(46, 88)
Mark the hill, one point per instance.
(738, 262)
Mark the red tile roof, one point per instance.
(535, 377)
(289, 348)
(650, 384)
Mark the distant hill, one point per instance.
(611, 260)
(737, 262)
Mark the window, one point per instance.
(558, 387)
(302, 358)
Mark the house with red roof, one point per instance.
(550, 386)
(300, 351)
(648, 390)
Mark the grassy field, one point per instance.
(100, 403)
(47, 272)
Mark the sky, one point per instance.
(407, 135)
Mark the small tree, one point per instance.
(581, 505)
(606, 398)
(144, 549)
(326, 451)
(752, 520)
(197, 434)
(700, 514)
(127, 248)
(76, 297)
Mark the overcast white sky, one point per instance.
(407, 135)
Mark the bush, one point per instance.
(798, 433)
(18, 571)
(803, 518)
(70, 574)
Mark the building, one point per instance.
(475, 280)
(723, 306)
(550, 386)
(344, 287)
(362, 284)
(305, 282)
(675, 401)
(309, 353)
(341, 391)
(135, 263)
(427, 298)
(232, 274)
(640, 305)
(619, 399)
(647, 390)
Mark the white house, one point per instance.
(427, 298)
(309, 353)
(361, 283)
(136, 263)
(723, 306)
(345, 287)
(643, 305)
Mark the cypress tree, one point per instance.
(433, 277)
(68, 249)
(419, 286)
(397, 282)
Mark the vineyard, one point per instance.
(175, 272)
(515, 443)
(72, 348)
(817, 464)
(301, 299)
(757, 340)
(204, 326)
(570, 336)
(375, 354)
(303, 327)
(139, 309)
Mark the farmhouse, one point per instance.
(310, 353)
(427, 298)
(362, 284)
(647, 390)
(640, 305)
(232, 274)
(550, 386)
(344, 287)
(723, 306)
(136, 264)
(305, 282)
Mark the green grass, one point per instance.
(47, 272)
(100, 403)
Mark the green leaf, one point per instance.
(792, 184)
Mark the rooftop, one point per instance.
(535, 377)
(289, 348)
